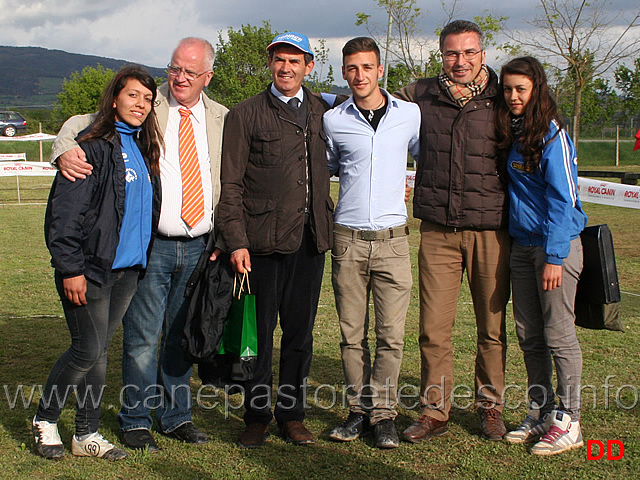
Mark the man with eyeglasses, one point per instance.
(159, 377)
(460, 198)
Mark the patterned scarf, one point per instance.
(517, 127)
(462, 93)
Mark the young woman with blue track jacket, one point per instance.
(98, 231)
(545, 222)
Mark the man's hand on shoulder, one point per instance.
(73, 164)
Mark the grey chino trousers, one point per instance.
(545, 324)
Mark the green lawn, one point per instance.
(33, 333)
(32, 149)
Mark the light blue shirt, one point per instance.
(372, 163)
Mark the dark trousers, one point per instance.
(288, 286)
(83, 367)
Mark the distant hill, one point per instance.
(32, 76)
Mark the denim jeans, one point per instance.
(82, 368)
(152, 376)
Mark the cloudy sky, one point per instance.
(146, 31)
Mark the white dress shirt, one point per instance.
(283, 98)
(171, 223)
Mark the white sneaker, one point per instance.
(530, 430)
(47, 439)
(562, 435)
(95, 445)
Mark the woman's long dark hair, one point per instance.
(104, 125)
(538, 114)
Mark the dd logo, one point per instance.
(600, 454)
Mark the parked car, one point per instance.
(12, 123)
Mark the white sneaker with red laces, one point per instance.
(562, 435)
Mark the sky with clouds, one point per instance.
(146, 31)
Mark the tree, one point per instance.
(240, 67)
(408, 46)
(398, 75)
(628, 81)
(581, 34)
(81, 93)
(317, 81)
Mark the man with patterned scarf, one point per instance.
(460, 198)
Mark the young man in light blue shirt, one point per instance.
(368, 139)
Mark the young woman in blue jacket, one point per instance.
(98, 231)
(545, 222)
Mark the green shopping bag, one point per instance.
(240, 337)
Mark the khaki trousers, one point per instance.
(445, 253)
(383, 268)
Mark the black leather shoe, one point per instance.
(188, 433)
(355, 425)
(140, 440)
(385, 434)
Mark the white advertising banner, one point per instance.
(411, 178)
(31, 169)
(608, 193)
(12, 156)
(29, 138)
(593, 191)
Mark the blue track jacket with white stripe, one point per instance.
(545, 209)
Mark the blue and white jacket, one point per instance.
(545, 209)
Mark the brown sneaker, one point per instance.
(424, 429)
(295, 432)
(491, 424)
(253, 435)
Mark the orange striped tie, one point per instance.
(192, 193)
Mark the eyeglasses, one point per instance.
(452, 56)
(188, 74)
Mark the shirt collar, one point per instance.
(197, 111)
(391, 100)
(283, 98)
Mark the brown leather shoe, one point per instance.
(253, 435)
(295, 432)
(491, 424)
(425, 429)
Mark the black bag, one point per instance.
(598, 293)
(210, 291)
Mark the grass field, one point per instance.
(33, 333)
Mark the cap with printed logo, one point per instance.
(301, 42)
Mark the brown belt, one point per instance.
(371, 235)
